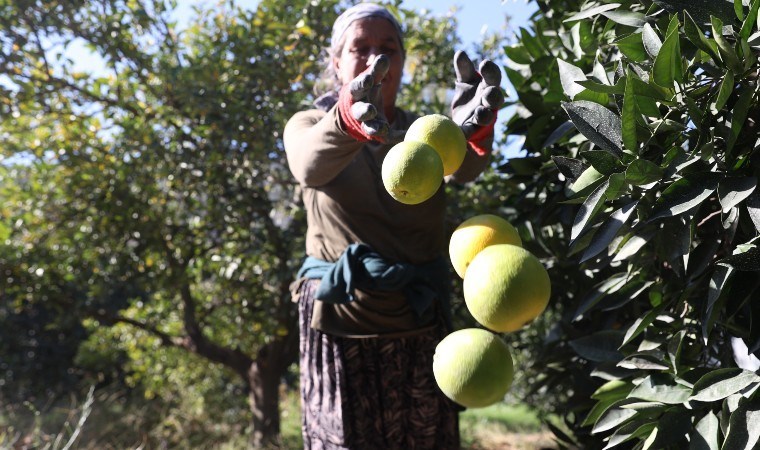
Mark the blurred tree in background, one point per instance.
(150, 227)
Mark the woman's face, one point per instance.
(368, 37)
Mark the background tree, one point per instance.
(150, 226)
(638, 187)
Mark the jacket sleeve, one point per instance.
(317, 146)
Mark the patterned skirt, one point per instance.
(371, 393)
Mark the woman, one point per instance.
(372, 292)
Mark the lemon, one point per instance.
(473, 367)
(412, 172)
(506, 287)
(477, 233)
(444, 135)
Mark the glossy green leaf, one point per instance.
(642, 172)
(650, 41)
(734, 190)
(628, 18)
(721, 383)
(744, 427)
(608, 231)
(593, 11)
(750, 21)
(614, 416)
(600, 125)
(660, 388)
(667, 67)
(697, 37)
(684, 194)
(588, 210)
(632, 47)
(706, 433)
(727, 52)
(628, 116)
(725, 91)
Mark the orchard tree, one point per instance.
(147, 205)
(639, 188)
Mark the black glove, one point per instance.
(477, 99)
(361, 104)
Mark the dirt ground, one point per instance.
(514, 441)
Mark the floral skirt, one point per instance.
(371, 393)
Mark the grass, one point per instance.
(101, 423)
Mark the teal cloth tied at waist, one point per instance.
(361, 267)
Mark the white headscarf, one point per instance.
(361, 11)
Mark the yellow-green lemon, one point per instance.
(473, 367)
(444, 135)
(506, 287)
(477, 233)
(412, 172)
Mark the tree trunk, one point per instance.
(264, 376)
(264, 401)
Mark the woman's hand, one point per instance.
(477, 98)
(361, 104)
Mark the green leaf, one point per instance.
(641, 324)
(598, 347)
(600, 125)
(568, 75)
(591, 12)
(651, 42)
(660, 388)
(609, 393)
(744, 258)
(667, 65)
(721, 383)
(734, 190)
(718, 280)
(727, 52)
(684, 194)
(739, 9)
(739, 116)
(631, 430)
(628, 120)
(725, 91)
(599, 292)
(743, 427)
(632, 47)
(642, 172)
(614, 416)
(628, 18)
(697, 37)
(608, 231)
(602, 161)
(749, 21)
(705, 434)
(588, 209)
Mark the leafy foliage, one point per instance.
(150, 227)
(639, 188)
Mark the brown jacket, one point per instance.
(346, 202)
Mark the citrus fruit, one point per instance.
(412, 172)
(506, 287)
(477, 233)
(473, 367)
(444, 135)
